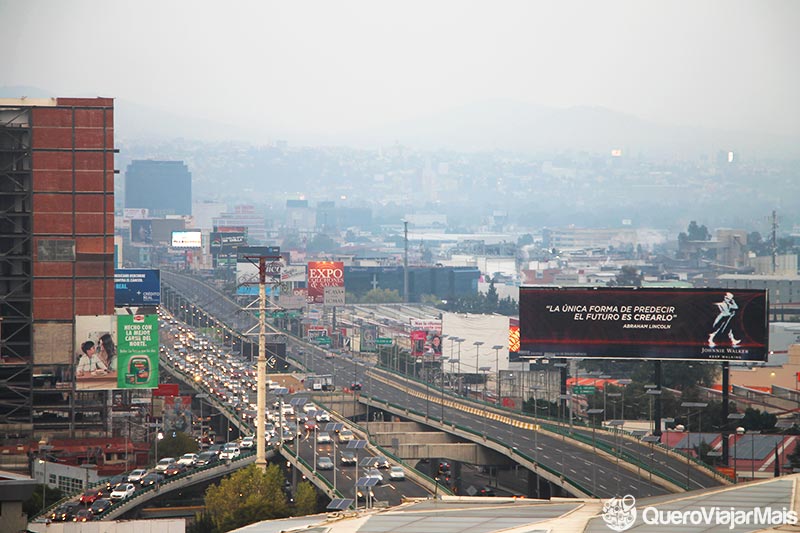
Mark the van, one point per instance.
(287, 410)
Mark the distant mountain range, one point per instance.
(490, 125)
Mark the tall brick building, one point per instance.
(56, 258)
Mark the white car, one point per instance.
(136, 475)
(375, 474)
(165, 463)
(230, 451)
(123, 491)
(308, 407)
(188, 459)
(396, 473)
(248, 442)
(346, 435)
(324, 437)
(323, 416)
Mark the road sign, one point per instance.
(323, 340)
(383, 341)
(584, 389)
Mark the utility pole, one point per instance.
(261, 367)
(774, 239)
(405, 261)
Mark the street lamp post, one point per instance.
(652, 391)
(477, 345)
(688, 406)
(458, 360)
(497, 348)
(734, 416)
(591, 413)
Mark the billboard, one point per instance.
(619, 323)
(138, 351)
(247, 269)
(187, 239)
(96, 352)
(137, 287)
(177, 414)
(142, 231)
(369, 334)
(323, 274)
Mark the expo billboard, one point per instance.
(323, 274)
(636, 323)
(137, 287)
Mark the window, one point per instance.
(56, 250)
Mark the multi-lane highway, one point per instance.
(600, 473)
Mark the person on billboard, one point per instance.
(723, 324)
(436, 345)
(89, 363)
(107, 351)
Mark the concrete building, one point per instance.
(57, 242)
(162, 187)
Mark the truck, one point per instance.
(320, 383)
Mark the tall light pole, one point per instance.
(591, 413)
(688, 406)
(497, 348)
(459, 341)
(405, 261)
(261, 368)
(477, 345)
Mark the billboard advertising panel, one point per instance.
(619, 323)
(138, 351)
(187, 239)
(369, 334)
(137, 287)
(323, 274)
(96, 352)
(142, 231)
(247, 268)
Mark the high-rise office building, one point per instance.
(56, 257)
(162, 187)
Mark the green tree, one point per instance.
(381, 296)
(174, 445)
(697, 233)
(246, 496)
(305, 499)
(33, 505)
(491, 298)
(755, 420)
(627, 277)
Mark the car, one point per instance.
(381, 462)
(177, 468)
(83, 515)
(215, 448)
(323, 416)
(311, 425)
(346, 435)
(396, 473)
(135, 476)
(64, 512)
(329, 355)
(152, 479)
(207, 458)
(247, 443)
(288, 434)
(164, 463)
(356, 386)
(486, 490)
(188, 459)
(324, 463)
(308, 407)
(347, 457)
(100, 506)
(230, 451)
(111, 482)
(123, 491)
(375, 474)
(91, 495)
(323, 437)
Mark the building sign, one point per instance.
(323, 274)
(96, 354)
(618, 323)
(433, 324)
(137, 287)
(138, 351)
(334, 295)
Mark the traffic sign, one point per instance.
(584, 389)
(383, 341)
(323, 340)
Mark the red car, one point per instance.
(91, 495)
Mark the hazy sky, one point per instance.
(333, 65)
